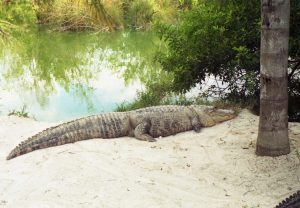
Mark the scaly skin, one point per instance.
(144, 124)
(292, 201)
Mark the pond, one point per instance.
(61, 76)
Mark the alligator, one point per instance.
(293, 201)
(144, 124)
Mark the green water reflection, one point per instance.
(60, 76)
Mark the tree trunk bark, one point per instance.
(272, 137)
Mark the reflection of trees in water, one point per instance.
(40, 62)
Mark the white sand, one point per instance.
(215, 168)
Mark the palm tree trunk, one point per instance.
(272, 137)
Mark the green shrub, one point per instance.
(138, 14)
(221, 39)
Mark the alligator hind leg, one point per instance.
(141, 132)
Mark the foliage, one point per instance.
(74, 15)
(157, 92)
(152, 98)
(138, 15)
(19, 12)
(221, 39)
(108, 15)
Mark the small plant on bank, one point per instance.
(149, 98)
(20, 113)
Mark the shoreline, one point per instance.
(214, 168)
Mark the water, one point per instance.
(61, 76)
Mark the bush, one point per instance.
(138, 14)
(221, 39)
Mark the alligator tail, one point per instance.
(108, 125)
(293, 201)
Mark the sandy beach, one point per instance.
(214, 168)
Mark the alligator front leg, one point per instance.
(196, 125)
(141, 132)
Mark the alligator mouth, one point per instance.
(219, 115)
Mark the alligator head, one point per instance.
(210, 116)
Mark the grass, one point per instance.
(20, 113)
(148, 98)
(99, 15)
